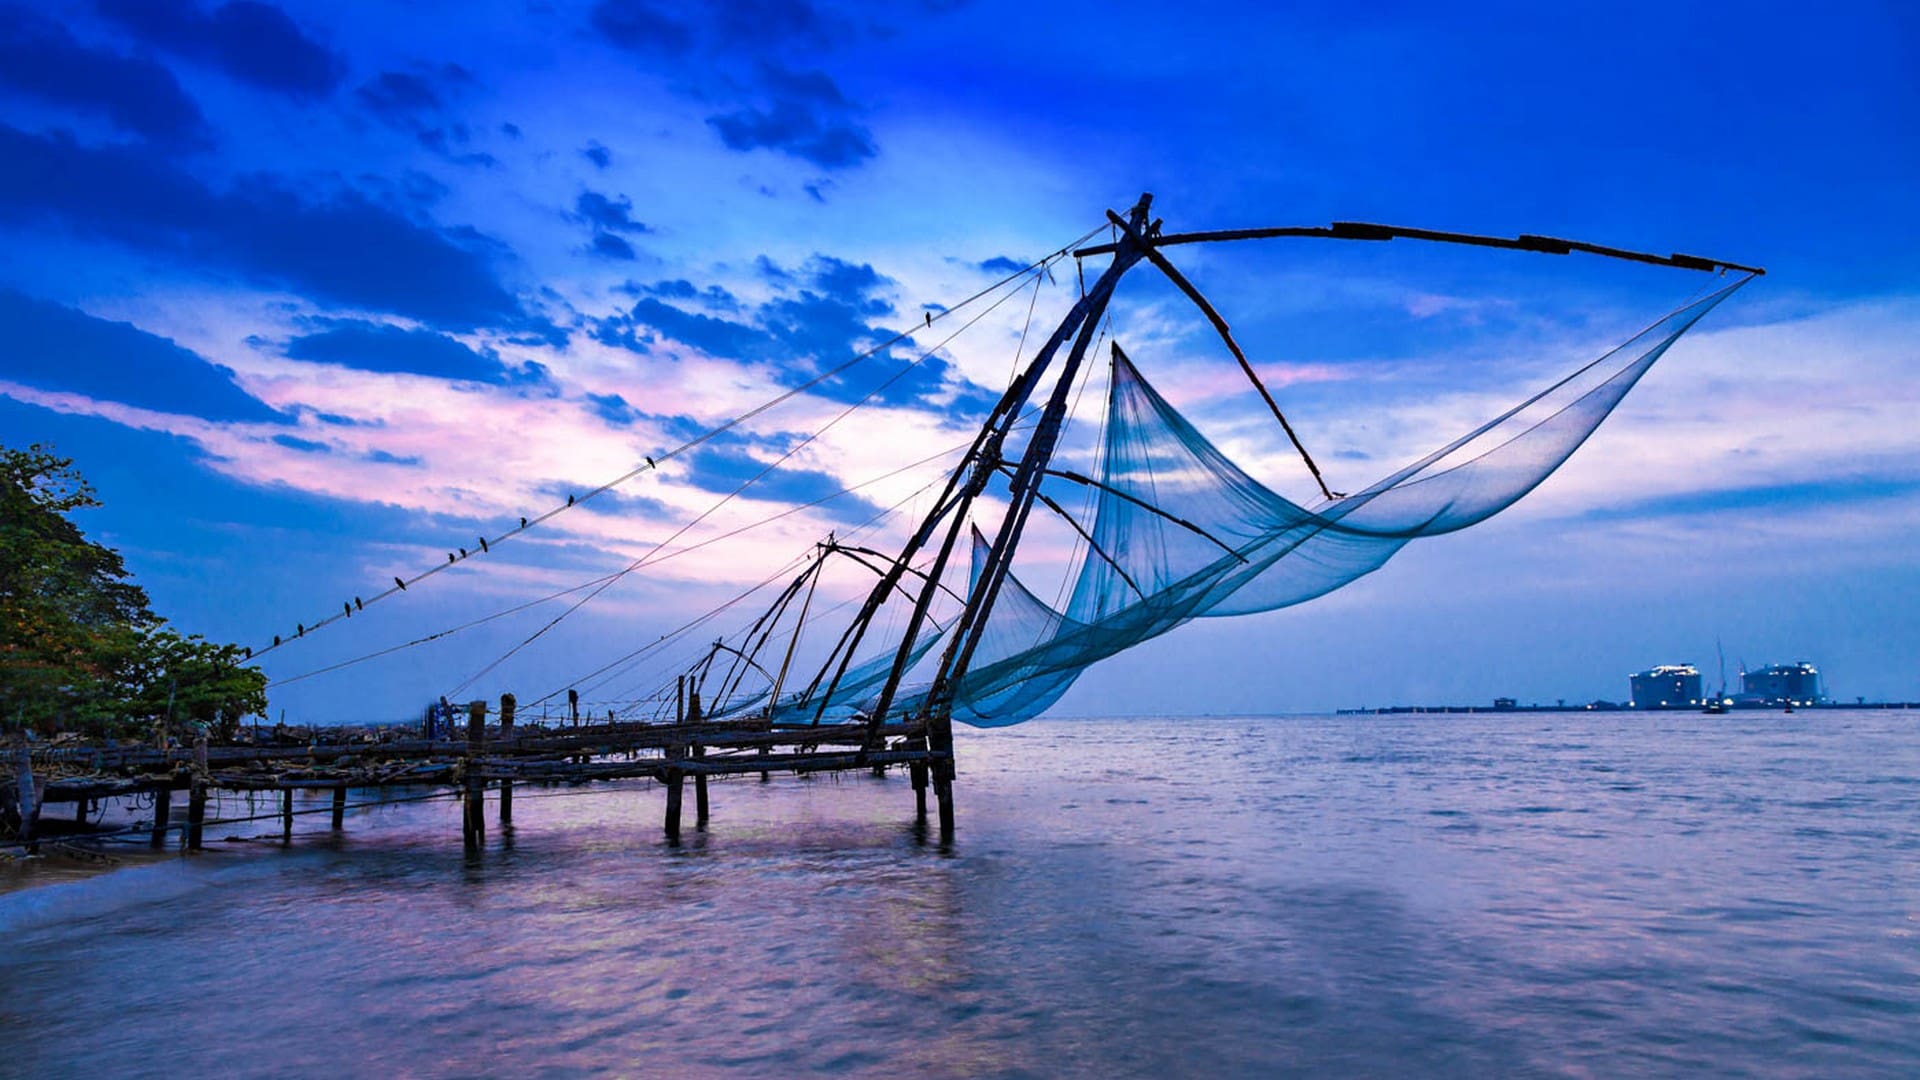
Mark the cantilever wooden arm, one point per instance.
(1360, 230)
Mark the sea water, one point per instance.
(1572, 894)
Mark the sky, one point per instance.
(320, 294)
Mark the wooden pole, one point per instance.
(286, 816)
(918, 771)
(507, 706)
(28, 796)
(674, 781)
(941, 739)
(339, 808)
(474, 818)
(162, 810)
(196, 813)
(699, 791)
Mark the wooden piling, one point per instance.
(28, 796)
(507, 706)
(339, 808)
(474, 818)
(196, 814)
(940, 739)
(675, 782)
(162, 810)
(286, 815)
(918, 771)
(699, 791)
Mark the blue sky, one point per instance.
(318, 293)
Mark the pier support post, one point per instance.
(162, 811)
(699, 791)
(29, 796)
(941, 739)
(507, 706)
(196, 814)
(765, 776)
(675, 782)
(918, 771)
(339, 808)
(286, 815)
(474, 818)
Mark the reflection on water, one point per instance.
(1451, 895)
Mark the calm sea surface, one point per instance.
(1554, 894)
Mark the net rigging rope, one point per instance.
(651, 463)
(570, 590)
(609, 669)
(650, 557)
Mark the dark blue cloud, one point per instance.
(827, 312)
(722, 469)
(1000, 264)
(826, 320)
(384, 347)
(253, 42)
(396, 94)
(305, 446)
(419, 101)
(613, 215)
(39, 59)
(731, 53)
(1758, 501)
(802, 114)
(849, 282)
(51, 347)
(771, 270)
(639, 26)
(622, 501)
(610, 246)
(599, 155)
(339, 248)
(650, 318)
(612, 408)
(713, 296)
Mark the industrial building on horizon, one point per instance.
(1669, 686)
(1677, 686)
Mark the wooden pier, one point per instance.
(492, 752)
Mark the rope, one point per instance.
(651, 463)
(675, 553)
(649, 557)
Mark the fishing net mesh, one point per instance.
(1180, 532)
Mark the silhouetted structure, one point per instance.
(1669, 686)
(1797, 683)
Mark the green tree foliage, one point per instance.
(80, 649)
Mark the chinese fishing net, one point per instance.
(1180, 532)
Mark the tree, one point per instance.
(80, 649)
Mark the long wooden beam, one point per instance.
(1360, 230)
